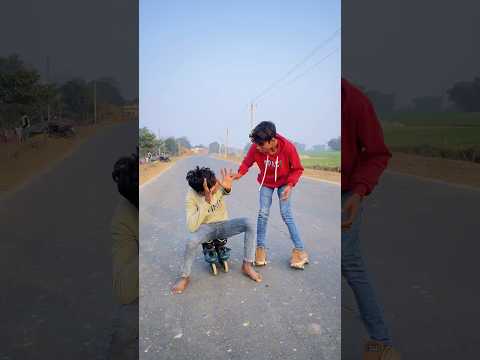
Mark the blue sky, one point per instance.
(202, 62)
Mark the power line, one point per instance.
(295, 67)
(311, 67)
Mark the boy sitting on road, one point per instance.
(207, 219)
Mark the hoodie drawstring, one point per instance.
(264, 174)
(276, 167)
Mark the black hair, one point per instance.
(196, 176)
(265, 131)
(125, 175)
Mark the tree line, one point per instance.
(148, 142)
(463, 96)
(23, 92)
(332, 145)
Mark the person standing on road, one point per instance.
(280, 169)
(21, 130)
(25, 126)
(364, 158)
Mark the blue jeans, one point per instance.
(219, 230)
(355, 272)
(286, 212)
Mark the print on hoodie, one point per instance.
(271, 163)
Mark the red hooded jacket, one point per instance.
(364, 153)
(287, 171)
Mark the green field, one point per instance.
(448, 135)
(321, 160)
(449, 130)
(442, 136)
(434, 119)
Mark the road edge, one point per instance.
(47, 169)
(140, 187)
(435, 181)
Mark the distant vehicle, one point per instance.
(58, 129)
(164, 157)
(36, 129)
(159, 157)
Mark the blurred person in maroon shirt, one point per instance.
(364, 158)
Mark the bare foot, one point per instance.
(181, 285)
(247, 269)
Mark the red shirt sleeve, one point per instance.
(296, 169)
(374, 155)
(247, 161)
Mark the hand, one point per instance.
(236, 176)
(227, 179)
(208, 193)
(286, 192)
(350, 208)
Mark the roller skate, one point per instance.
(211, 256)
(223, 252)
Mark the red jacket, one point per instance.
(364, 153)
(289, 168)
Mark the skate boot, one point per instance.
(210, 255)
(223, 252)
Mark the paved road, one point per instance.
(421, 242)
(55, 255)
(292, 314)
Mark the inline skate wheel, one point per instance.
(213, 267)
(225, 266)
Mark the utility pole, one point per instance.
(48, 83)
(160, 149)
(179, 148)
(252, 114)
(94, 101)
(226, 146)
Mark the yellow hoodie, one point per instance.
(199, 211)
(125, 252)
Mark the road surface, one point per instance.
(292, 314)
(421, 243)
(55, 255)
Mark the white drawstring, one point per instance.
(264, 173)
(276, 166)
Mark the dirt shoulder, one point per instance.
(19, 163)
(329, 176)
(451, 171)
(321, 175)
(150, 171)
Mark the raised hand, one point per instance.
(227, 179)
(207, 192)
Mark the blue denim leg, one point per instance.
(229, 228)
(286, 212)
(263, 214)
(355, 272)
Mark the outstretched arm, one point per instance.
(246, 163)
